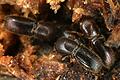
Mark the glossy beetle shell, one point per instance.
(106, 53)
(65, 46)
(88, 59)
(81, 53)
(44, 31)
(89, 27)
(92, 32)
(19, 25)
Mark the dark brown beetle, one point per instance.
(88, 58)
(90, 29)
(45, 31)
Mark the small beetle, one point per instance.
(81, 53)
(45, 31)
(90, 29)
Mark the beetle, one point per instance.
(91, 30)
(88, 58)
(44, 31)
